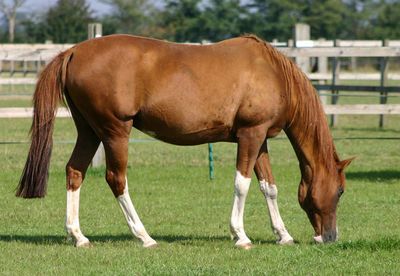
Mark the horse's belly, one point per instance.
(200, 137)
(183, 129)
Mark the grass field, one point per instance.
(189, 215)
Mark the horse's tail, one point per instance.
(48, 93)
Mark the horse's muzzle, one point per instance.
(330, 236)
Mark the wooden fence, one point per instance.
(384, 50)
(26, 58)
(371, 109)
(36, 54)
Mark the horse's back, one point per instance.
(190, 90)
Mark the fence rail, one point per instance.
(321, 49)
(27, 112)
(26, 58)
(341, 52)
(13, 81)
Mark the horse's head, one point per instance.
(319, 194)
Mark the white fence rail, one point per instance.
(362, 109)
(312, 76)
(27, 112)
(319, 48)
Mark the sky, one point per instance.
(98, 7)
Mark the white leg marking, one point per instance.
(132, 218)
(242, 185)
(271, 193)
(318, 239)
(72, 219)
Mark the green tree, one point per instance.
(33, 29)
(325, 17)
(386, 25)
(131, 16)
(223, 19)
(110, 24)
(182, 20)
(356, 19)
(67, 21)
(197, 20)
(271, 19)
(344, 19)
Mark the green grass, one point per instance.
(189, 215)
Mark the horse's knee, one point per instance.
(74, 178)
(269, 190)
(242, 184)
(116, 182)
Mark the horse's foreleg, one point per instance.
(249, 143)
(116, 155)
(269, 190)
(133, 220)
(242, 185)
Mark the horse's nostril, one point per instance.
(330, 237)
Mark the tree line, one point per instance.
(212, 20)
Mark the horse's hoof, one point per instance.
(318, 239)
(245, 246)
(151, 245)
(285, 242)
(85, 244)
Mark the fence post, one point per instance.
(1, 71)
(38, 66)
(335, 81)
(384, 77)
(12, 68)
(210, 147)
(353, 61)
(95, 30)
(322, 69)
(302, 32)
(210, 161)
(25, 68)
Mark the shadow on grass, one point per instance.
(46, 239)
(54, 239)
(373, 176)
(385, 243)
(183, 239)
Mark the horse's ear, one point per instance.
(344, 163)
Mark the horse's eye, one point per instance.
(340, 192)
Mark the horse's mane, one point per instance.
(304, 106)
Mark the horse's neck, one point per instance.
(304, 149)
(313, 146)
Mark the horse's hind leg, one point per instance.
(116, 149)
(269, 190)
(85, 147)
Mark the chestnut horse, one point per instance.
(240, 90)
